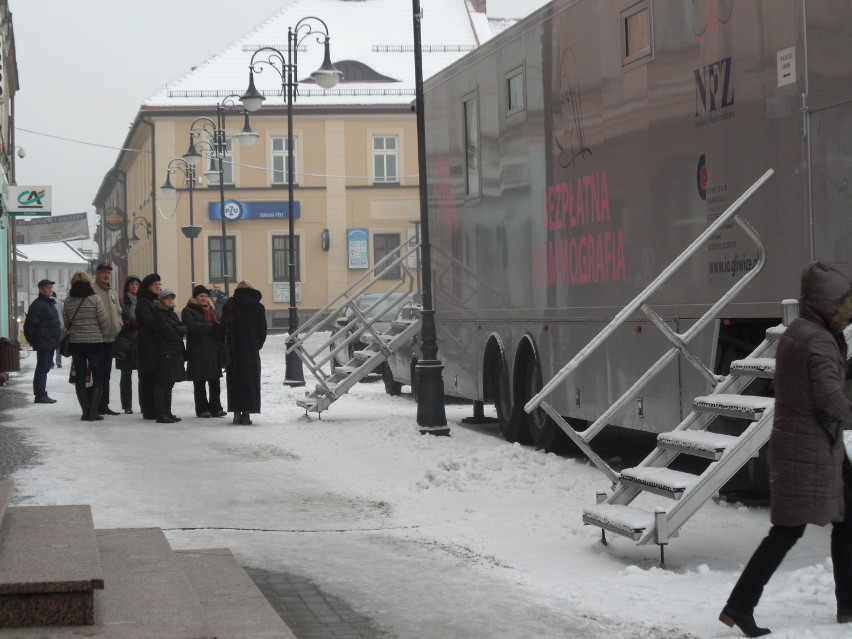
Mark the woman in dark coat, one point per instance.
(88, 321)
(244, 318)
(149, 290)
(128, 332)
(809, 472)
(168, 353)
(204, 337)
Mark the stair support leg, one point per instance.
(661, 526)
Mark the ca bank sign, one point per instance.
(27, 200)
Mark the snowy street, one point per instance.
(464, 536)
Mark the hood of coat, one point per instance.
(247, 296)
(81, 289)
(823, 290)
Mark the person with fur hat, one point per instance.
(88, 322)
(203, 340)
(244, 318)
(126, 362)
(169, 354)
(149, 291)
(809, 472)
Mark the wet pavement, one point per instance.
(310, 612)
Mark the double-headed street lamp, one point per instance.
(192, 231)
(326, 77)
(216, 147)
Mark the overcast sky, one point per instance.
(85, 66)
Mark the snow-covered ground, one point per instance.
(464, 536)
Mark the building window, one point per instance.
(279, 160)
(385, 158)
(227, 164)
(471, 146)
(280, 258)
(515, 100)
(636, 36)
(214, 252)
(385, 244)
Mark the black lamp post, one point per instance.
(326, 77)
(431, 415)
(192, 231)
(137, 222)
(217, 146)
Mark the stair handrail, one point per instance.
(631, 308)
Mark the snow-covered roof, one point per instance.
(375, 33)
(49, 252)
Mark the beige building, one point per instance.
(356, 171)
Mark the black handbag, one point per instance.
(65, 342)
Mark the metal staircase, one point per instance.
(318, 354)
(695, 435)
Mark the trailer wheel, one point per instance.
(545, 433)
(392, 387)
(512, 425)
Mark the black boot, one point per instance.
(83, 398)
(94, 398)
(742, 620)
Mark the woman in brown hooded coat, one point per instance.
(809, 472)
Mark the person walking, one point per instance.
(169, 352)
(128, 363)
(149, 291)
(88, 321)
(59, 307)
(104, 290)
(218, 298)
(244, 318)
(809, 472)
(42, 331)
(203, 339)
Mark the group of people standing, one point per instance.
(142, 331)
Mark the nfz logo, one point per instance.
(714, 90)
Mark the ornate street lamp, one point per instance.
(139, 221)
(431, 414)
(216, 147)
(192, 231)
(326, 77)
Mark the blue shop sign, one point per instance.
(237, 210)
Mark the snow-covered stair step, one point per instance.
(699, 443)
(623, 520)
(775, 332)
(743, 406)
(308, 403)
(754, 366)
(660, 481)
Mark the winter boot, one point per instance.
(161, 405)
(742, 620)
(237, 416)
(245, 418)
(94, 398)
(83, 398)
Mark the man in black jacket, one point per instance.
(42, 332)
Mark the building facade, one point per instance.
(8, 88)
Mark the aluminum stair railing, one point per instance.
(680, 342)
(317, 354)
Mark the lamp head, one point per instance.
(167, 189)
(247, 137)
(192, 157)
(252, 99)
(327, 76)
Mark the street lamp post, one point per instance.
(431, 414)
(217, 147)
(326, 77)
(191, 231)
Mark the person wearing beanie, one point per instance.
(204, 343)
(149, 290)
(167, 344)
(126, 351)
(109, 298)
(244, 318)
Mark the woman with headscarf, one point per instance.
(168, 353)
(126, 352)
(88, 322)
(203, 337)
(244, 318)
(149, 291)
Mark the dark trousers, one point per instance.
(775, 546)
(125, 388)
(88, 357)
(204, 402)
(163, 400)
(44, 362)
(147, 380)
(104, 404)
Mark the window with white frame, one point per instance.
(214, 253)
(471, 146)
(515, 102)
(279, 160)
(383, 245)
(227, 163)
(386, 158)
(280, 258)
